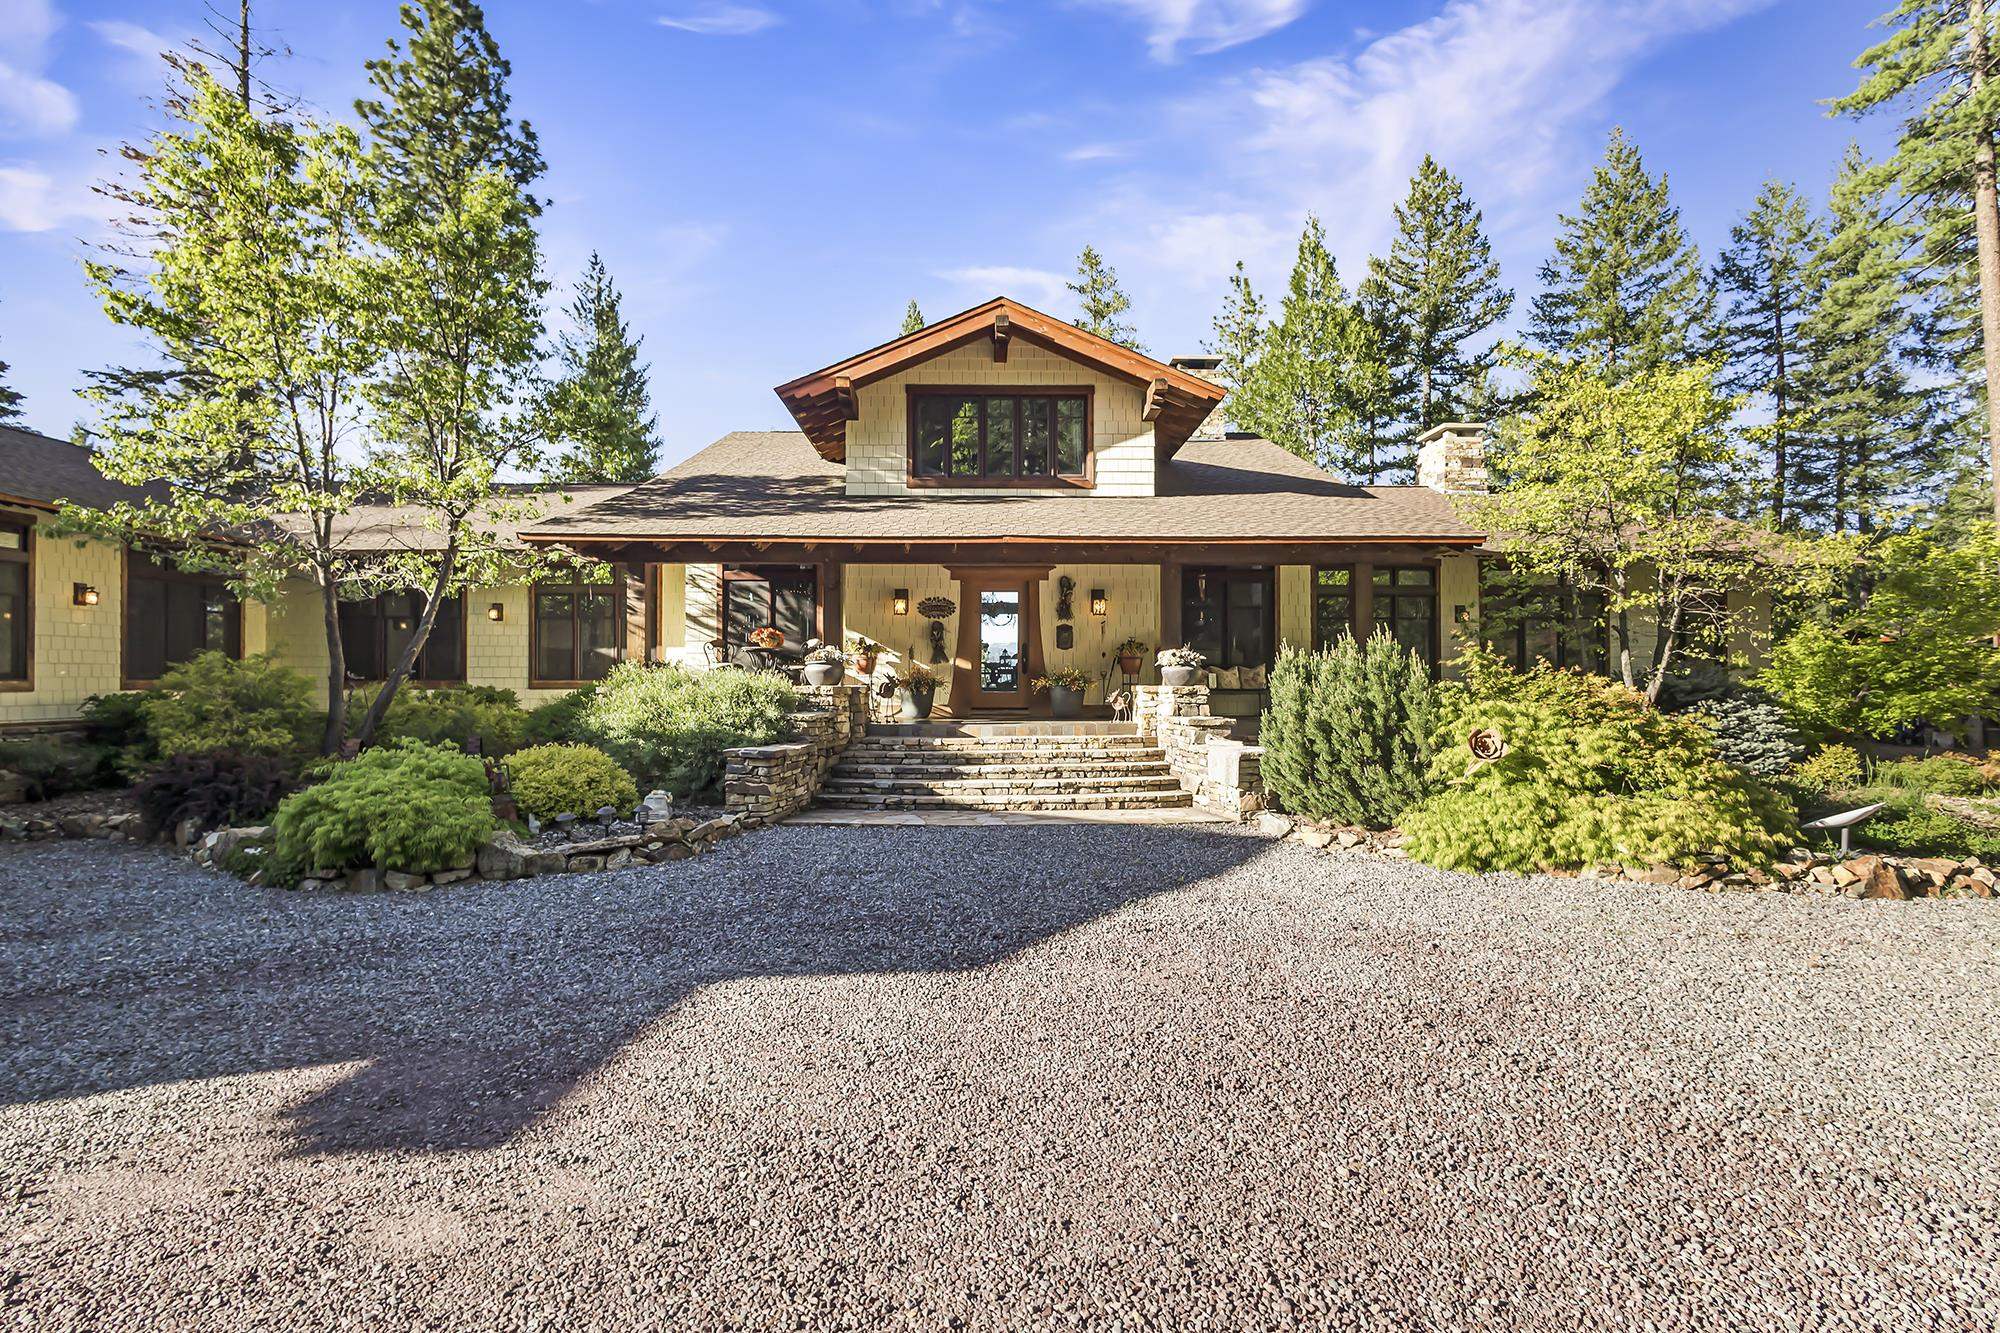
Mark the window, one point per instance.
(1406, 607)
(1527, 619)
(1227, 615)
(578, 632)
(16, 588)
(999, 439)
(171, 616)
(1333, 604)
(755, 596)
(374, 633)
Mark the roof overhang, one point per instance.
(824, 401)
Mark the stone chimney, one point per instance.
(1215, 425)
(1451, 457)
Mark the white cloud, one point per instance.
(31, 106)
(132, 38)
(33, 200)
(722, 20)
(1036, 286)
(1094, 152)
(1204, 26)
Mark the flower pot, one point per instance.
(1179, 675)
(864, 664)
(914, 702)
(1065, 702)
(824, 673)
(1129, 664)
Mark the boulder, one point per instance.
(401, 881)
(545, 863)
(503, 856)
(1313, 837)
(619, 859)
(456, 875)
(225, 843)
(1881, 881)
(13, 787)
(365, 881)
(80, 826)
(1273, 825)
(587, 862)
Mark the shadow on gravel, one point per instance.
(477, 1008)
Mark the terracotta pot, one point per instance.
(824, 673)
(1065, 702)
(1180, 675)
(864, 663)
(1129, 664)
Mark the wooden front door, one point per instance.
(999, 641)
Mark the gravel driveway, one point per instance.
(990, 1078)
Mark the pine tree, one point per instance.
(600, 408)
(1434, 296)
(1239, 339)
(10, 399)
(913, 319)
(1624, 286)
(1767, 277)
(1102, 300)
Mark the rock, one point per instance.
(1653, 875)
(1313, 837)
(403, 882)
(13, 787)
(502, 856)
(456, 875)
(186, 832)
(587, 862)
(1347, 838)
(1273, 825)
(657, 806)
(674, 851)
(1790, 870)
(16, 829)
(1881, 881)
(312, 885)
(619, 859)
(365, 881)
(226, 842)
(80, 826)
(1936, 869)
(546, 863)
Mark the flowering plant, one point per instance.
(1182, 656)
(1069, 678)
(769, 636)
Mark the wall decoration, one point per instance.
(1065, 589)
(939, 609)
(1065, 637)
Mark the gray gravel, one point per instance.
(998, 1078)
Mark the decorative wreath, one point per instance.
(937, 608)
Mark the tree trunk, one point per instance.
(1986, 225)
(336, 668)
(407, 661)
(1625, 671)
(1778, 472)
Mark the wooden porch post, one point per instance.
(1170, 604)
(832, 611)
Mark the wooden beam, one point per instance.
(1156, 400)
(844, 401)
(1003, 330)
(1010, 553)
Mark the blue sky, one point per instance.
(771, 182)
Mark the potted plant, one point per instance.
(1129, 655)
(1065, 687)
(825, 664)
(763, 643)
(916, 691)
(863, 650)
(1180, 666)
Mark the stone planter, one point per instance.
(914, 702)
(1182, 675)
(824, 673)
(1065, 702)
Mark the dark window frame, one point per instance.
(576, 588)
(1083, 478)
(807, 575)
(1392, 593)
(166, 572)
(1353, 573)
(1267, 575)
(1578, 635)
(25, 558)
(379, 628)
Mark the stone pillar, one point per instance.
(1451, 457)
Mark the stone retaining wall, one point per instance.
(761, 784)
(1221, 773)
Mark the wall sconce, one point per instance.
(82, 594)
(496, 613)
(1097, 601)
(900, 604)
(1461, 614)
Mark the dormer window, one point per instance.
(965, 437)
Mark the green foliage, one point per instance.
(1590, 775)
(410, 807)
(1101, 302)
(1919, 649)
(212, 701)
(1834, 768)
(1349, 733)
(668, 726)
(453, 715)
(52, 766)
(551, 780)
(913, 320)
(1912, 827)
(215, 790)
(559, 720)
(10, 400)
(1238, 343)
(1938, 775)
(1751, 733)
(117, 724)
(599, 409)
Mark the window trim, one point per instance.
(1434, 592)
(1268, 575)
(25, 557)
(165, 571)
(1084, 480)
(621, 613)
(1354, 572)
(744, 573)
(382, 640)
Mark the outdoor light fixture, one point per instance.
(82, 594)
(1097, 601)
(496, 613)
(901, 602)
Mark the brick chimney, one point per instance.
(1451, 457)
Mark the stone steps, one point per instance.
(1058, 784)
(928, 768)
(1101, 766)
(1100, 800)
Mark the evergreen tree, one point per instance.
(1624, 286)
(10, 399)
(913, 319)
(600, 409)
(1434, 295)
(1766, 276)
(1238, 341)
(1102, 301)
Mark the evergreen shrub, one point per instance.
(52, 766)
(216, 790)
(1833, 768)
(450, 715)
(1349, 732)
(1750, 732)
(1938, 775)
(407, 806)
(556, 721)
(668, 725)
(116, 724)
(550, 780)
(216, 702)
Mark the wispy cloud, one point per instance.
(1203, 26)
(33, 200)
(1094, 152)
(132, 38)
(1036, 286)
(31, 105)
(722, 20)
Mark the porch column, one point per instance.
(831, 619)
(1170, 604)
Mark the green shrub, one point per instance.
(118, 724)
(1910, 826)
(1589, 776)
(551, 780)
(407, 807)
(556, 722)
(1938, 775)
(1349, 732)
(1834, 768)
(215, 790)
(451, 715)
(667, 725)
(214, 702)
(52, 766)
(1750, 732)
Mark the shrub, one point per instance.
(551, 780)
(1939, 775)
(668, 725)
(451, 715)
(214, 702)
(407, 807)
(117, 723)
(1750, 732)
(215, 789)
(52, 766)
(1913, 828)
(1587, 775)
(1349, 732)
(556, 721)
(1835, 768)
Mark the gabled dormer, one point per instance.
(1000, 397)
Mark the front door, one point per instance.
(999, 652)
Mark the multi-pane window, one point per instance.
(16, 585)
(760, 596)
(171, 616)
(1406, 606)
(1333, 604)
(375, 632)
(578, 631)
(986, 438)
(1227, 615)
(1527, 620)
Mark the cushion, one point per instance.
(1228, 678)
(1253, 678)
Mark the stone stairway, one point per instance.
(1003, 766)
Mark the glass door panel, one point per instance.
(1000, 641)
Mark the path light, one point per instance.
(496, 613)
(1097, 601)
(900, 604)
(82, 594)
